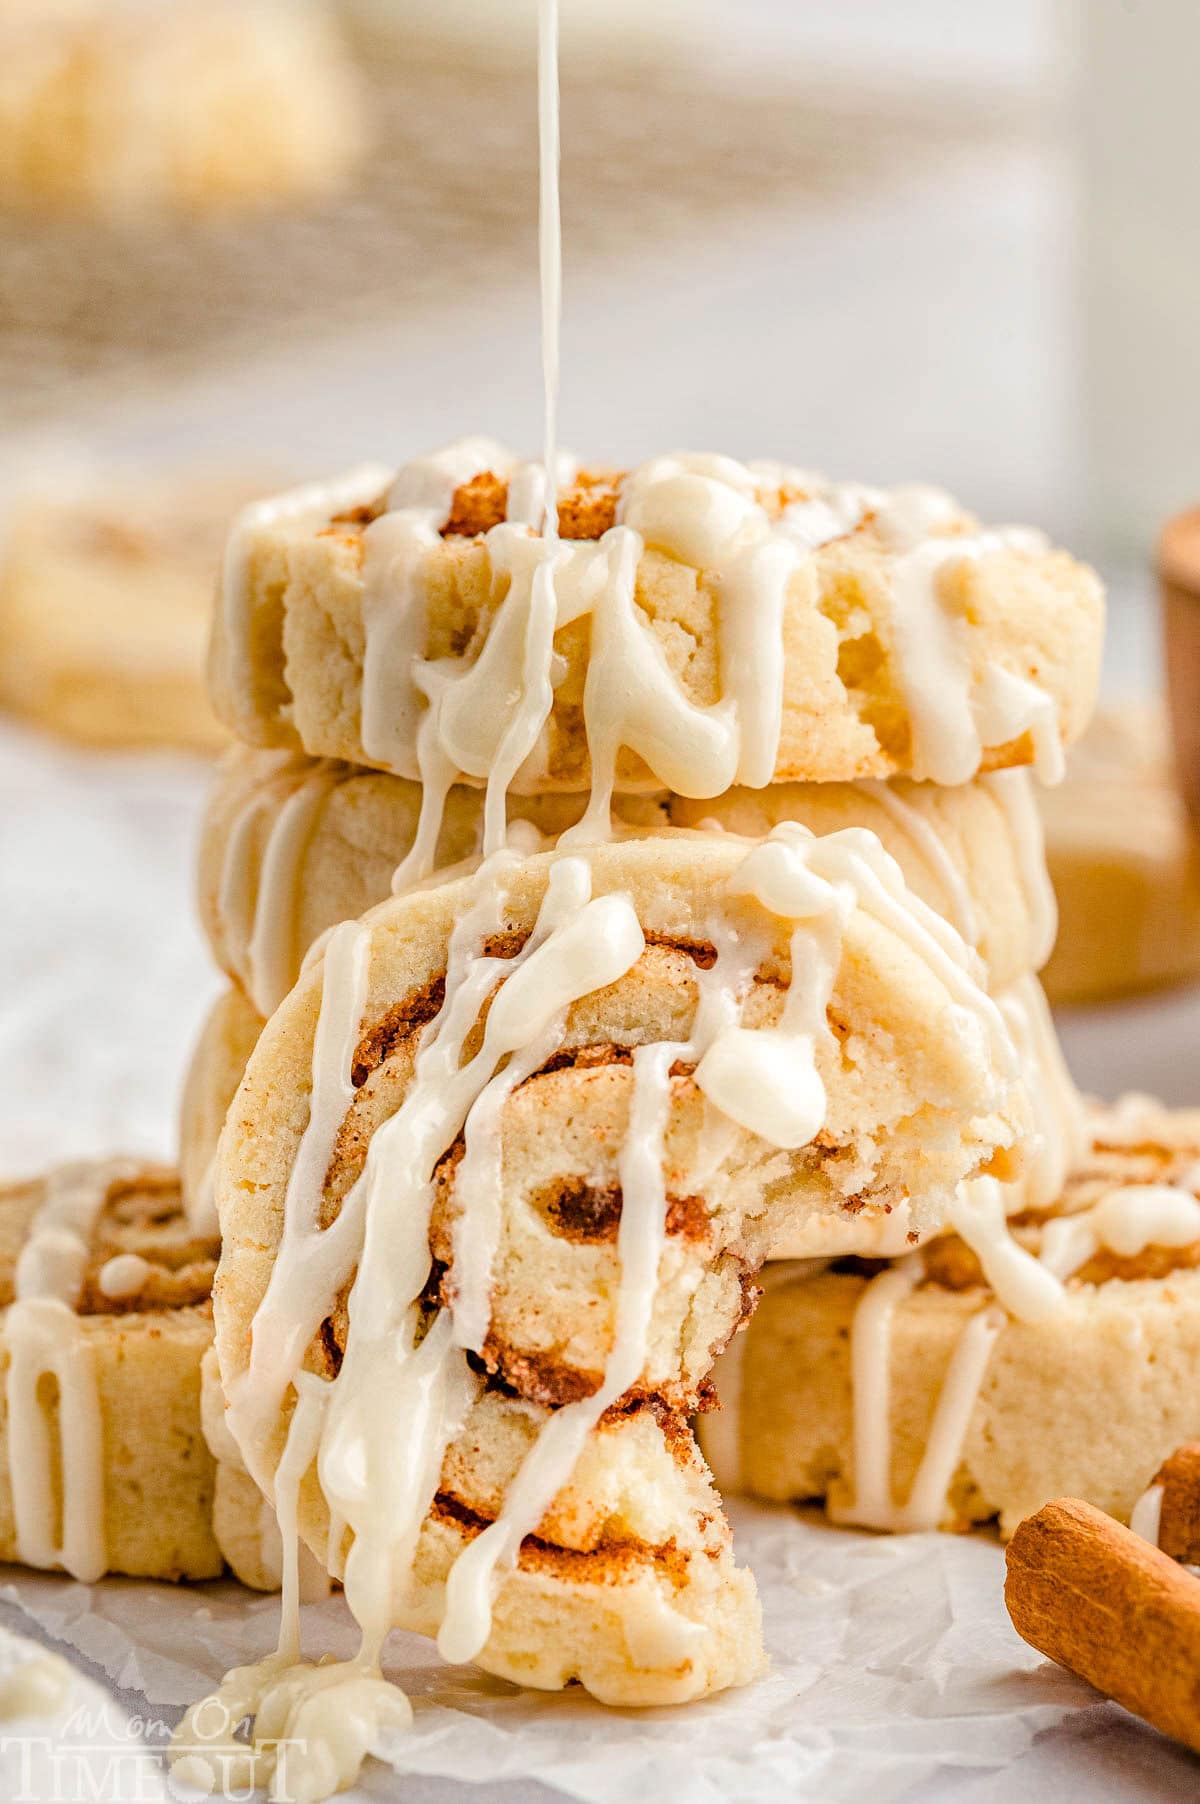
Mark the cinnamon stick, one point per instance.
(1179, 579)
(1100, 1601)
(1179, 1523)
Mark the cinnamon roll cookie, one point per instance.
(992, 1370)
(292, 845)
(709, 623)
(493, 1192)
(105, 603)
(105, 1293)
(1124, 858)
(112, 107)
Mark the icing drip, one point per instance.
(256, 892)
(549, 255)
(767, 1079)
(271, 944)
(309, 1258)
(482, 716)
(955, 715)
(1013, 793)
(368, 1465)
(1126, 1221)
(57, 1523)
(548, 1466)
(334, 1711)
(929, 843)
(401, 1396)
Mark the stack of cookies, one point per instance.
(614, 895)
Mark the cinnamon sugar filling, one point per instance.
(605, 1561)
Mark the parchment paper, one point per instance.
(894, 1674)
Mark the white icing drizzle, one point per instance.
(481, 716)
(955, 716)
(641, 1237)
(928, 842)
(767, 1079)
(280, 1332)
(57, 1524)
(1125, 1222)
(272, 952)
(258, 888)
(322, 1719)
(1145, 1519)
(549, 258)
(1060, 1131)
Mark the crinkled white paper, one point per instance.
(895, 1673)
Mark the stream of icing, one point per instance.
(55, 1435)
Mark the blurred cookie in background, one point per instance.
(1125, 863)
(106, 592)
(114, 107)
